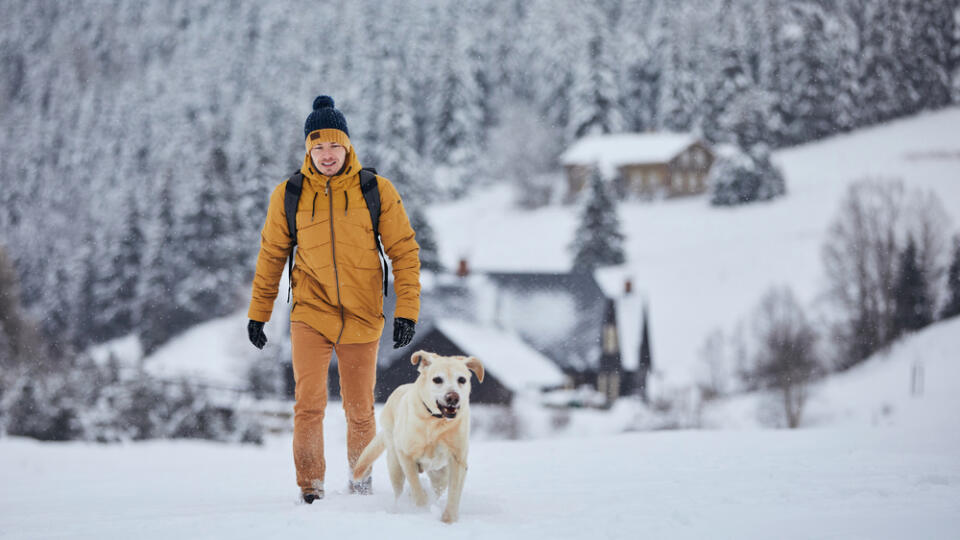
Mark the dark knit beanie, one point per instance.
(324, 116)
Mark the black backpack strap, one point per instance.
(291, 200)
(371, 194)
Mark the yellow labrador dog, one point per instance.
(424, 428)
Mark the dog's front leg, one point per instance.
(458, 474)
(410, 471)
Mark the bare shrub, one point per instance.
(861, 256)
(785, 360)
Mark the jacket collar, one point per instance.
(350, 170)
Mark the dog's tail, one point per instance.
(370, 454)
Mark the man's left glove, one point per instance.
(402, 332)
(255, 333)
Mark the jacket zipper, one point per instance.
(336, 274)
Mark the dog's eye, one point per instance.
(437, 380)
(462, 380)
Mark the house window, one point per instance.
(610, 345)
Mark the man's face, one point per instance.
(328, 157)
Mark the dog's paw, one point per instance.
(420, 498)
(449, 516)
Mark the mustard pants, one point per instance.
(357, 365)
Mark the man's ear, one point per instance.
(476, 366)
(421, 357)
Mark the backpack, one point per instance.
(371, 194)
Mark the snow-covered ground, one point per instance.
(870, 483)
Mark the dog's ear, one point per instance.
(421, 357)
(476, 366)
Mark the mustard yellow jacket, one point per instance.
(337, 279)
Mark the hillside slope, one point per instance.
(701, 267)
(913, 384)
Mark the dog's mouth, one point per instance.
(448, 411)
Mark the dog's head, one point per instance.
(444, 381)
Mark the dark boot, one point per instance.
(363, 487)
(312, 494)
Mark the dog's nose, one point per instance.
(452, 399)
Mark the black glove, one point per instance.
(255, 333)
(402, 332)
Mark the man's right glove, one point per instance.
(255, 333)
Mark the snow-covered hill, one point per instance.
(914, 384)
(701, 267)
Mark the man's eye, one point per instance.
(462, 380)
(437, 380)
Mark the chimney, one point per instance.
(628, 286)
(463, 270)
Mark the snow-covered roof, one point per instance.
(629, 307)
(515, 364)
(559, 314)
(609, 152)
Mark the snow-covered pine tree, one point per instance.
(728, 76)
(808, 81)
(97, 284)
(212, 246)
(456, 134)
(927, 59)
(745, 177)
(952, 307)
(388, 140)
(641, 92)
(128, 271)
(594, 98)
(645, 364)
(678, 94)
(954, 59)
(159, 318)
(17, 336)
(429, 254)
(598, 240)
(912, 310)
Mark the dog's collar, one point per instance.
(433, 414)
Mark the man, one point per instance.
(337, 287)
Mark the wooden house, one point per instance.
(640, 165)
